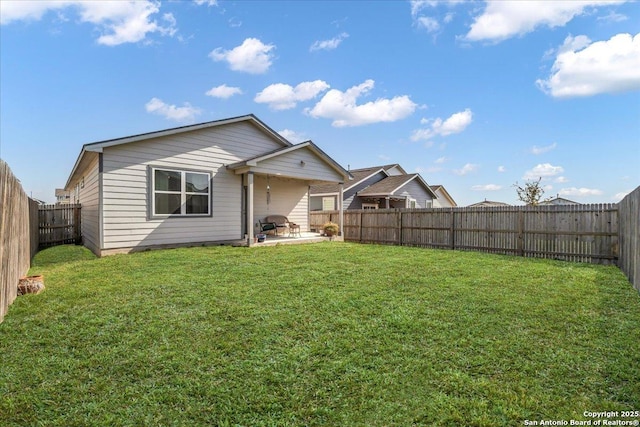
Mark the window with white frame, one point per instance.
(369, 206)
(328, 203)
(179, 192)
(411, 203)
(428, 204)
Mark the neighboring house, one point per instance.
(444, 199)
(558, 201)
(377, 187)
(202, 183)
(62, 197)
(488, 203)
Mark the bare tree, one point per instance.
(531, 193)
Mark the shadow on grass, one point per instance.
(62, 254)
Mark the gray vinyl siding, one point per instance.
(441, 201)
(301, 164)
(288, 197)
(415, 191)
(89, 198)
(126, 168)
(350, 199)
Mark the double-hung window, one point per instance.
(178, 192)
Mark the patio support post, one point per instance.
(386, 203)
(250, 227)
(341, 209)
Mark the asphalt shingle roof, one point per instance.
(387, 185)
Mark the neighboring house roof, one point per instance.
(88, 150)
(390, 185)
(488, 203)
(359, 175)
(440, 188)
(559, 201)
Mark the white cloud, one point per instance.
(440, 160)
(343, 109)
(252, 56)
(502, 169)
(187, 113)
(580, 192)
(561, 180)
(501, 20)
(540, 150)
(118, 21)
(467, 168)
(613, 17)
(281, 96)
(544, 170)
(488, 187)
(207, 2)
(328, 44)
(223, 91)
(621, 195)
(28, 10)
(293, 136)
(428, 23)
(454, 124)
(432, 169)
(583, 68)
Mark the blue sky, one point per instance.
(475, 96)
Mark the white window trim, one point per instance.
(183, 193)
(370, 206)
(428, 204)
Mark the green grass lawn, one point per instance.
(330, 334)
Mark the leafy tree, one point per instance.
(531, 193)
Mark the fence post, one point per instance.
(520, 232)
(400, 227)
(452, 230)
(360, 239)
(78, 226)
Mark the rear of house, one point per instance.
(174, 187)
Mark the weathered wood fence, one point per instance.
(581, 233)
(59, 225)
(18, 235)
(629, 241)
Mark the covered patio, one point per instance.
(277, 183)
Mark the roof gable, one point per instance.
(441, 191)
(264, 162)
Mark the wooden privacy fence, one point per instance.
(59, 225)
(581, 233)
(18, 235)
(629, 224)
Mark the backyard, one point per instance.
(334, 334)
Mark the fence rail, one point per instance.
(581, 233)
(59, 225)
